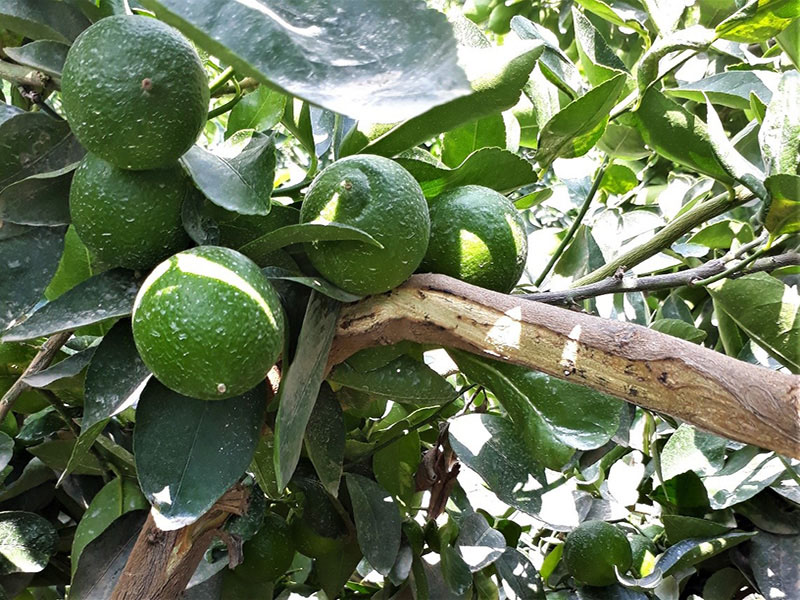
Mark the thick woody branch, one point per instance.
(705, 388)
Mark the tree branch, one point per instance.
(621, 283)
(23, 75)
(651, 369)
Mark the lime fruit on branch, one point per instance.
(477, 236)
(208, 323)
(593, 549)
(134, 92)
(128, 219)
(380, 197)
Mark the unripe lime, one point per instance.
(208, 323)
(477, 236)
(643, 552)
(593, 549)
(134, 92)
(128, 218)
(380, 197)
(268, 553)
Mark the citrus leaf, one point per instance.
(490, 446)
(56, 454)
(767, 310)
(758, 20)
(494, 168)
(455, 571)
(486, 132)
(241, 184)
(261, 110)
(773, 559)
(597, 58)
(731, 88)
(76, 265)
(747, 472)
(34, 474)
(694, 550)
(395, 465)
(680, 527)
(116, 498)
(664, 14)
(27, 541)
(69, 367)
(789, 41)
(333, 570)
(696, 38)
(41, 199)
(45, 56)
(618, 13)
(29, 261)
(315, 283)
(691, 449)
(404, 380)
(783, 215)
(779, 136)
(263, 465)
(6, 449)
(328, 53)
(520, 579)
(189, 452)
(577, 127)
(325, 437)
(377, 520)
(679, 329)
(722, 234)
(43, 20)
(478, 544)
(300, 385)
(104, 296)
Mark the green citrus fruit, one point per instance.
(311, 543)
(477, 236)
(380, 197)
(643, 552)
(236, 230)
(268, 553)
(128, 218)
(134, 92)
(593, 549)
(208, 323)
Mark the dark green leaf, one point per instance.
(69, 367)
(263, 465)
(76, 265)
(325, 435)
(315, 283)
(261, 110)
(328, 53)
(189, 452)
(333, 570)
(577, 127)
(41, 199)
(395, 465)
(403, 380)
(459, 143)
(28, 262)
(377, 521)
(43, 19)
(773, 559)
(478, 544)
(747, 472)
(759, 20)
(34, 474)
(241, 183)
(731, 88)
(767, 310)
(783, 215)
(104, 296)
(679, 329)
(56, 454)
(622, 141)
(490, 446)
(45, 56)
(27, 541)
(301, 384)
(681, 527)
(520, 579)
(691, 449)
(494, 168)
(455, 571)
(6, 449)
(692, 551)
(779, 136)
(597, 58)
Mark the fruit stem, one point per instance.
(229, 104)
(220, 80)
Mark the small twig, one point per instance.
(728, 272)
(40, 362)
(220, 80)
(576, 223)
(246, 84)
(24, 75)
(228, 105)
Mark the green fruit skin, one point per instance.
(494, 252)
(268, 553)
(593, 549)
(208, 323)
(128, 219)
(379, 196)
(313, 544)
(643, 551)
(134, 92)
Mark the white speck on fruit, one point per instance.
(221, 388)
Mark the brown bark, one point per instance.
(654, 370)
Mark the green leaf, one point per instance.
(333, 570)
(6, 449)
(783, 215)
(494, 168)
(696, 38)
(677, 135)
(43, 19)
(722, 234)
(731, 88)
(300, 385)
(328, 53)
(315, 283)
(27, 541)
(56, 455)
(619, 14)
(261, 110)
(747, 472)
(692, 551)
(69, 367)
(455, 571)
(577, 127)
(520, 578)
(377, 520)
(395, 465)
(263, 465)
(758, 20)
(34, 474)
(45, 56)
(325, 435)
(679, 329)
(76, 266)
(29, 261)
(623, 142)
(779, 136)
(681, 527)
(497, 76)
(478, 544)
(773, 559)
(260, 248)
(104, 296)
(490, 445)
(41, 199)
(619, 179)
(403, 380)
(597, 58)
(459, 143)
(665, 14)
(115, 499)
(691, 449)
(189, 452)
(242, 183)
(789, 41)
(767, 311)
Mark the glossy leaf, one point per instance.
(27, 541)
(394, 466)
(747, 472)
(664, 14)
(694, 550)
(460, 142)
(731, 88)
(597, 58)
(76, 266)
(478, 544)
(758, 20)
(377, 520)
(69, 367)
(301, 384)
(189, 452)
(723, 234)
(455, 571)
(681, 527)
(618, 13)
(263, 465)
(767, 310)
(691, 449)
(773, 559)
(494, 168)
(325, 437)
(577, 127)
(779, 136)
(695, 38)
(104, 296)
(789, 40)
(330, 53)
(43, 20)
(241, 183)
(318, 284)
(28, 262)
(261, 110)
(520, 579)
(45, 56)
(783, 215)
(334, 569)
(41, 199)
